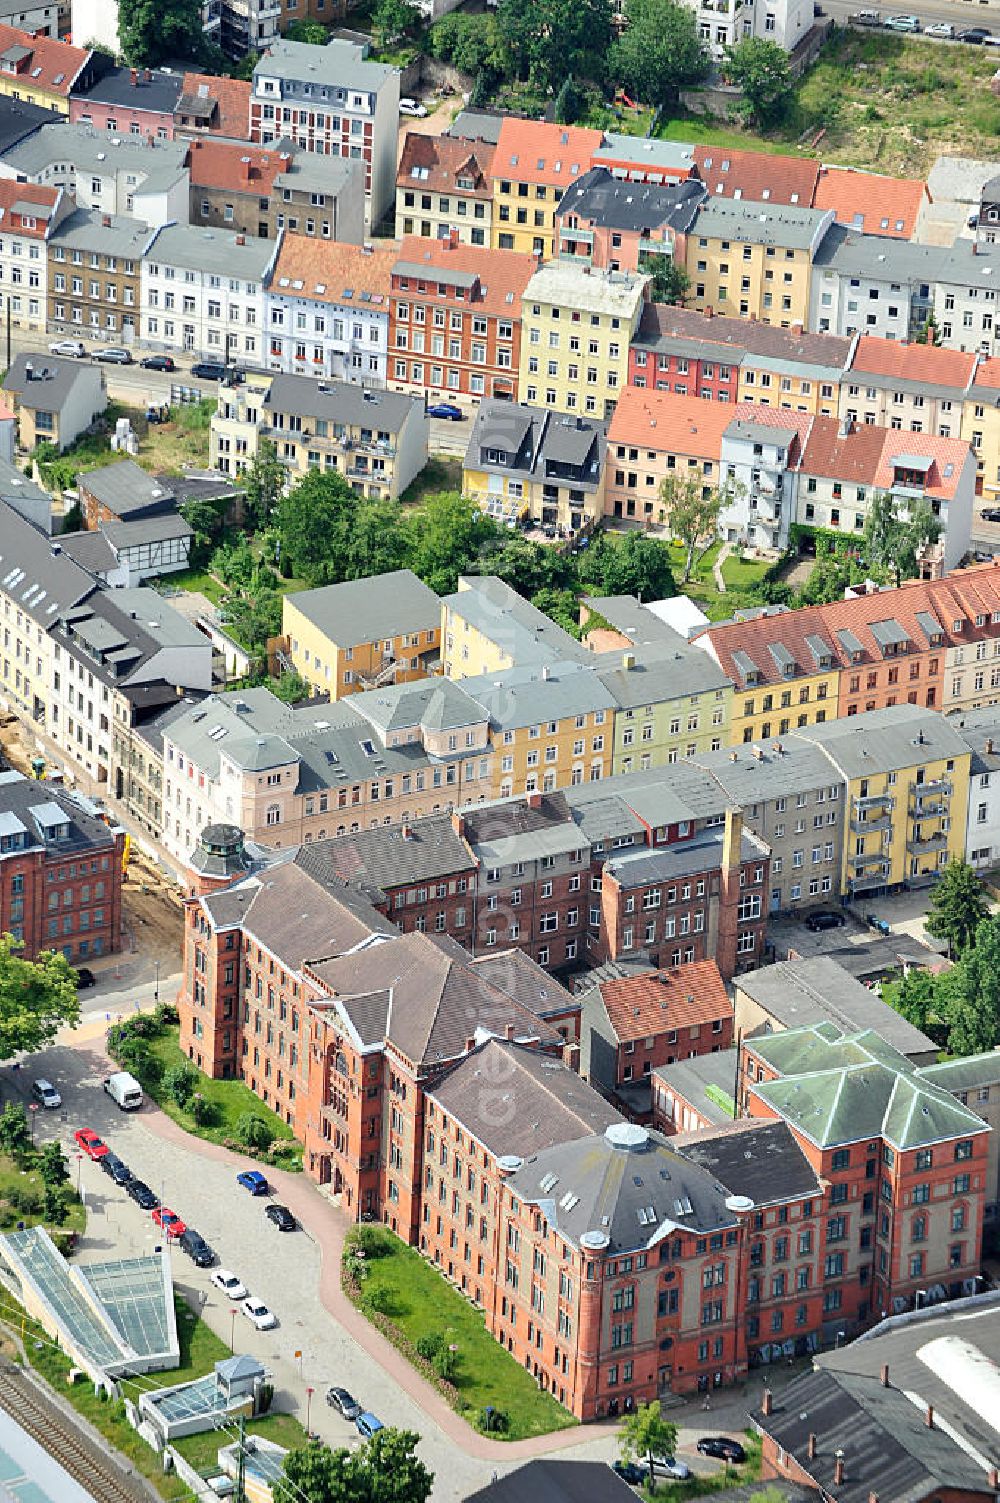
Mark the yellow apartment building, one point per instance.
(803, 386)
(534, 163)
(981, 424)
(362, 634)
(784, 669)
(576, 327)
(754, 260)
(487, 628)
(550, 727)
(526, 461)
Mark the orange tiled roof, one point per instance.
(864, 455)
(958, 597)
(503, 274)
(328, 270)
(672, 424)
(49, 65)
(988, 372)
(866, 201)
(12, 193)
(235, 166)
(913, 362)
(654, 1001)
(757, 175)
(435, 163)
(533, 151)
(232, 100)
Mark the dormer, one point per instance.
(746, 668)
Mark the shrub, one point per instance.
(26, 1199)
(430, 1345)
(204, 1113)
(378, 1299)
(495, 1422)
(445, 1362)
(373, 1241)
(166, 1014)
(179, 1084)
(54, 1205)
(253, 1132)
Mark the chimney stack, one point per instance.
(470, 1044)
(534, 800)
(458, 822)
(407, 832)
(508, 1032)
(767, 1402)
(929, 1417)
(838, 1470)
(811, 1447)
(884, 1374)
(133, 77)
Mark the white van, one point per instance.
(124, 1090)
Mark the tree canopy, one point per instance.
(384, 1470)
(760, 69)
(659, 50)
(669, 282)
(692, 516)
(893, 542)
(151, 31)
(37, 997)
(646, 1434)
(548, 39)
(632, 565)
(974, 994)
(957, 907)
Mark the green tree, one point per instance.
(631, 565)
(471, 42)
(54, 1204)
(179, 1084)
(957, 908)
(264, 478)
(760, 69)
(561, 607)
(525, 565)
(252, 1131)
(307, 31)
(974, 994)
(646, 1434)
(659, 51)
(893, 542)
(151, 31)
(314, 522)
(692, 516)
(36, 998)
(252, 619)
(446, 538)
(15, 1134)
(291, 687)
(549, 39)
(378, 543)
(670, 282)
(567, 106)
(392, 19)
(384, 1470)
(53, 1165)
(394, 1472)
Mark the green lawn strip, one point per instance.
(16, 1183)
(230, 1098)
(201, 1451)
(196, 580)
(743, 573)
(705, 131)
(420, 1302)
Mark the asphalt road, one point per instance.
(127, 383)
(960, 13)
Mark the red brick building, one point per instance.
(455, 319)
(60, 872)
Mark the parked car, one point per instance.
(84, 978)
(939, 29)
(368, 1425)
(412, 107)
(824, 918)
(73, 349)
(254, 1181)
(168, 1221)
(141, 1194)
(446, 410)
(669, 1466)
(990, 513)
(158, 363)
(902, 23)
(345, 1403)
(866, 18)
(208, 370)
(113, 355)
(974, 34)
(634, 1475)
(93, 1146)
(196, 1247)
(723, 1447)
(116, 1168)
(282, 1218)
(45, 1093)
(973, 220)
(229, 1284)
(258, 1314)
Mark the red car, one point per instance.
(93, 1146)
(169, 1221)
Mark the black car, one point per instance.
(630, 1473)
(282, 1218)
(142, 1195)
(345, 1403)
(208, 370)
(118, 1170)
(196, 1247)
(722, 1447)
(158, 363)
(825, 918)
(975, 34)
(84, 978)
(990, 513)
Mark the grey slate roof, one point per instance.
(35, 572)
(337, 65)
(18, 120)
(532, 696)
(159, 92)
(476, 125)
(437, 704)
(525, 980)
(500, 613)
(879, 257)
(342, 402)
(897, 737)
(377, 861)
(749, 779)
(761, 1160)
(124, 488)
(673, 672)
(550, 1481)
(86, 149)
(788, 225)
(614, 204)
(296, 917)
(52, 381)
(702, 854)
(86, 230)
(531, 438)
(367, 610)
(91, 550)
(131, 534)
(28, 808)
(690, 1078)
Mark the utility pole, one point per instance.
(240, 1496)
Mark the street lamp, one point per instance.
(156, 983)
(232, 1330)
(79, 1161)
(309, 1397)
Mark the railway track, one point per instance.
(65, 1443)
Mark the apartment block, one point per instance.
(444, 186)
(872, 284)
(94, 265)
(755, 259)
(606, 223)
(534, 163)
(578, 325)
(327, 310)
(257, 191)
(527, 462)
(128, 101)
(124, 175)
(871, 202)
(899, 385)
(656, 437)
(346, 638)
(981, 734)
(40, 69)
(487, 627)
(981, 426)
(203, 292)
(28, 214)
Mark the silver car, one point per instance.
(45, 1093)
(74, 349)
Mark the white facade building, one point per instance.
(872, 284)
(981, 730)
(146, 180)
(202, 292)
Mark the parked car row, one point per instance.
(75, 349)
(346, 1405)
(978, 36)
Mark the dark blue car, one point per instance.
(254, 1181)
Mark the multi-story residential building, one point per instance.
(526, 462)
(760, 458)
(28, 216)
(630, 1025)
(904, 1162)
(872, 284)
(486, 627)
(445, 185)
(980, 730)
(604, 222)
(657, 438)
(43, 70)
(33, 16)
(975, 1082)
(845, 465)
(871, 203)
(137, 754)
(455, 319)
(60, 872)
(376, 439)
(94, 263)
(981, 425)
(129, 101)
(917, 387)
(965, 296)
(757, 176)
(108, 174)
(212, 105)
(258, 191)
(203, 292)
(907, 820)
(577, 327)
(534, 163)
(327, 308)
(54, 399)
(755, 259)
(332, 101)
(345, 638)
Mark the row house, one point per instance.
(455, 319)
(871, 202)
(327, 310)
(965, 293)
(444, 186)
(203, 292)
(129, 101)
(106, 173)
(28, 217)
(660, 446)
(533, 165)
(95, 263)
(613, 225)
(256, 191)
(526, 462)
(872, 284)
(981, 425)
(335, 102)
(981, 734)
(761, 457)
(212, 105)
(917, 387)
(43, 70)
(905, 1165)
(578, 324)
(755, 259)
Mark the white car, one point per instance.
(230, 1285)
(258, 1314)
(939, 29)
(74, 348)
(411, 107)
(45, 1093)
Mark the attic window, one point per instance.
(646, 1215)
(957, 625)
(794, 198)
(548, 1182)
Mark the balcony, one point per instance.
(869, 800)
(928, 845)
(871, 826)
(869, 883)
(936, 785)
(870, 858)
(933, 808)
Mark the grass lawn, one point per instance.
(421, 1303)
(742, 573)
(201, 1450)
(184, 440)
(230, 1098)
(438, 474)
(199, 581)
(16, 1183)
(705, 131)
